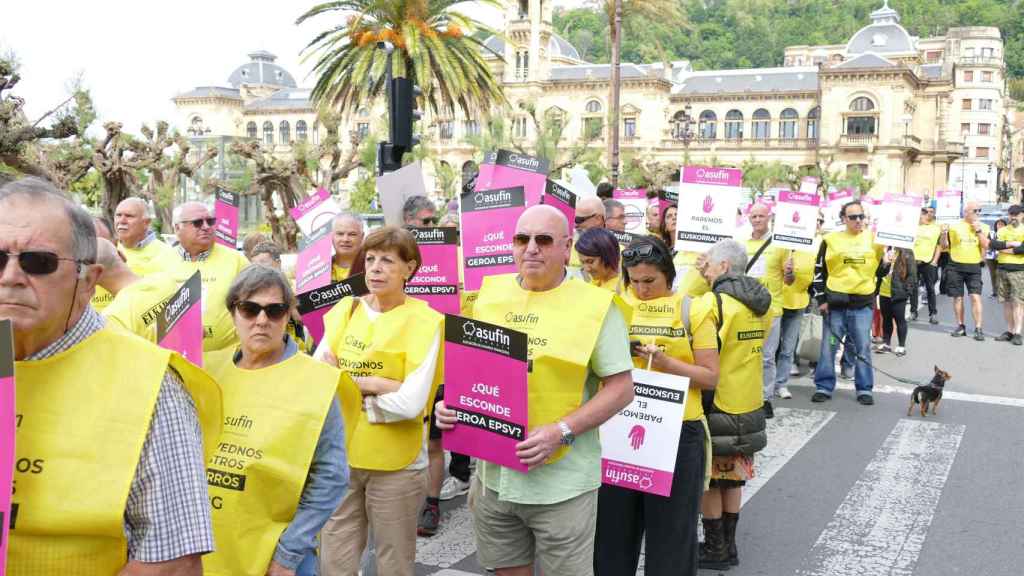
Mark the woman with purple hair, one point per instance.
(599, 257)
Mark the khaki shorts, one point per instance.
(1010, 285)
(559, 537)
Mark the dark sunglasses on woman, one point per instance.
(250, 310)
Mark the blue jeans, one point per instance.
(789, 337)
(855, 325)
(308, 566)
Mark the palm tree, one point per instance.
(433, 45)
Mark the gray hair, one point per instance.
(83, 234)
(147, 209)
(414, 204)
(611, 205)
(347, 216)
(176, 215)
(255, 278)
(729, 251)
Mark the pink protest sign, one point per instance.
(485, 383)
(313, 264)
(898, 218)
(225, 210)
(437, 279)
(639, 444)
(708, 201)
(562, 198)
(634, 200)
(8, 428)
(796, 220)
(179, 326)
(488, 223)
(506, 169)
(315, 304)
(315, 211)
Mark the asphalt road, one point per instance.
(848, 490)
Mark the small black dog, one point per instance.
(930, 393)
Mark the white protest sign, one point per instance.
(394, 188)
(634, 200)
(836, 200)
(639, 444)
(796, 220)
(948, 205)
(898, 217)
(708, 201)
(315, 211)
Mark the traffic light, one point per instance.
(403, 113)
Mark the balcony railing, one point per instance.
(855, 141)
(980, 61)
(741, 143)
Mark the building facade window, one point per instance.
(812, 123)
(985, 104)
(363, 129)
(984, 129)
(286, 132)
(629, 128)
(965, 104)
(444, 129)
(680, 125)
(933, 56)
(250, 130)
(472, 128)
(593, 107)
(762, 124)
(968, 75)
(268, 133)
(965, 128)
(862, 104)
(707, 128)
(592, 127)
(856, 169)
(787, 124)
(300, 131)
(987, 52)
(522, 64)
(986, 76)
(734, 125)
(519, 127)
(981, 152)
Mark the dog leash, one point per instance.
(855, 354)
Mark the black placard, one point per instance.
(511, 197)
(188, 295)
(485, 336)
(332, 294)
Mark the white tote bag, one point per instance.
(810, 337)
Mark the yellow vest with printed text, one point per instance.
(964, 246)
(740, 373)
(218, 271)
(1010, 234)
(101, 299)
(272, 423)
(688, 278)
(927, 240)
(137, 306)
(392, 346)
(768, 270)
(83, 416)
(660, 321)
(852, 260)
(154, 257)
(562, 326)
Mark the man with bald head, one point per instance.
(347, 238)
(579, 377)
(218, 265)
(967, 241)
(118, 484)
(144, 252)
(767, 263)
(589, 214)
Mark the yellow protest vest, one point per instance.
(768, 271)
(101, 299)
(136, 307)
(660, 321)
(852, 261)
(218, 271)
(927, 240)
(272, 422)
(562, 326)
(83, 416)
(392, 346)
(338, 273)
(740, 372)
(1010, 234)
(964, 247)
(466, 300)
(153, 257)
(613, 284)
(795, 295)
(688, 278)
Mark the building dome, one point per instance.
(558, 47)
(883, 35)
(261, 70)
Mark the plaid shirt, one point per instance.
(150, 236)
(167, 515)
(201, 257)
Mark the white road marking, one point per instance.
(452, 543)
(906, 390)
(788, 432)
(881, 525)
(452, 572)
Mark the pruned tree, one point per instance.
(165, 171)
(118, 159)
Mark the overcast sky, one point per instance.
(135, 56)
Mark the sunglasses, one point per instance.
(429, 221)
(581, 219)
(250, 310)
(975, 211)
(542, 240)
(34, 263)
(645, 251)
(198, 222)
(855, 217)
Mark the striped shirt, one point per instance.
(201, 257)
(167, 515)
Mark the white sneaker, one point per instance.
(453, 488)
(784, 393)
(794, 370)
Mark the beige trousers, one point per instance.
(388, 503)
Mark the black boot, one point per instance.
(715, 552)
(729, 521)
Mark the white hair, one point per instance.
(729, 251)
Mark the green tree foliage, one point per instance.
(754, 33)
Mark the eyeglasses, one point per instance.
(855, 217)
(429, 221)
(975, 211)
(250, 310)
(542, 240)
(198, 222)
(644, 251)
(34, 263)
(581, 219)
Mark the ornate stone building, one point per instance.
(913, 114)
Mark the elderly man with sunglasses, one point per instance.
(845, 279)
(218, 265)
(116, 481)
(967, 241)
(579, 377)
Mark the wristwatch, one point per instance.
(567, 436)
